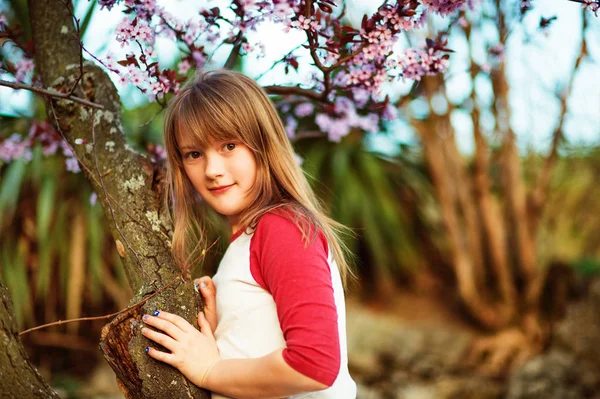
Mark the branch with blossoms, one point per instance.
(349, 62)
(590, 5)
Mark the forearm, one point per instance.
(265, 377)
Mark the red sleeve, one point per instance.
(299, 279)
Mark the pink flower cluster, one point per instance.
(444, 7)
(414, 64)
(302, 23)
(591, 5)
(338, 122)
(24, 69)
(19, 147)
(135, 30)
(3, 21)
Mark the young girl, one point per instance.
(274, 321)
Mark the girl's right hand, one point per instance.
(206, 287)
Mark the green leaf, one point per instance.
(10, 187)
(96, 238)
(45, 208)
(86, 19)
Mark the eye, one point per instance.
(229, 146)
(193, 155)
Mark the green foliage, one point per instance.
(357, 187)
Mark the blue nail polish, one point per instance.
(197, 285)
(145, 317)
(156, 313)
(147, 349)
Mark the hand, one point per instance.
(193, 352)
(207, 289)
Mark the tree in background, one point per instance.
(492, 222)
(351, 64)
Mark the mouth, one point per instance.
(220, 189)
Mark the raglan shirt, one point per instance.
(274, 291)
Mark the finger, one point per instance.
(206, 284)
(179, 321)
(209, 295)
(159, 338)
(204, 325)
(163, 325)
(168, 358)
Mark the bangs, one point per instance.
(206, 117)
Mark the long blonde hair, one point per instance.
(225, 105)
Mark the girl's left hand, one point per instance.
(193, 352)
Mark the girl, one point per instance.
(274, 321)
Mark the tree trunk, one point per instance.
(19, 379)
(470, 294)
(138, 224)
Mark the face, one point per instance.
(223, 174)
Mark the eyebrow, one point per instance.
(186, 147)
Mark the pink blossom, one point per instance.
(72, 165)
(123, 79)
(298, 159)
(335, 128)
(107, 3)
(199, 58)
(15, 147)
(444, 7)
(291, 125)
(369, 123)
(390, 112)
(498, 52)
(304, 109)
(24, 68)
(414, 64)
(3, 21)
(591, 5)
(183, 67)
(150, 52)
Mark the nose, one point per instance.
(215, 167)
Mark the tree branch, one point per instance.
(540, 192)
(283, 90)
(51, 93)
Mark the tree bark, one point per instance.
(470, 293)
(139, 225)
(19, 379)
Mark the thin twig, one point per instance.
(79, 43)
(278, 61)
(16, 85)
(135, 305)
(295, 90)
(162, 108)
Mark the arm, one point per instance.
(196, 355)
(253, 378)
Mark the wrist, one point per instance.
(205, 379)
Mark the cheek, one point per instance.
(194, 174)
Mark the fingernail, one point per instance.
(197, 285)
(147, 349)
(156, 313)
(145, 318)
(203, 284)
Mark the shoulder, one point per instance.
(287, 226)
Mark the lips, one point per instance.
(220, 189)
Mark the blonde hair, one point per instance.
(225, 105)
